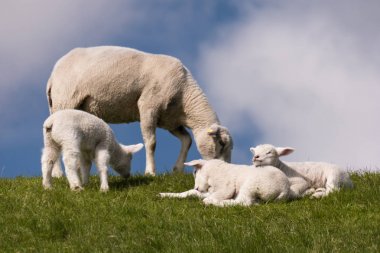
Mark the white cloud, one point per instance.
(306, 73)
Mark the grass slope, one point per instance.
(131, 218)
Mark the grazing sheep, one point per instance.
(322, 178)
(221, 184)
(121, 85)
(82, 137)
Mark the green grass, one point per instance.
(131, 218)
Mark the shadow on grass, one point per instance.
(121, 183)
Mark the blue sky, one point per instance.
(291, 73)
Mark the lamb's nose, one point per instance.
(256, 157)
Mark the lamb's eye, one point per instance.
(269, 152)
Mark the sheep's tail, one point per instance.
(48, 94)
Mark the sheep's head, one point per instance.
(123, 163)
(267, 154)
(201, 179)
(215, 142)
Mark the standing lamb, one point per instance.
(122, 85)
(82, 137)
(322, 178)
(221, 184)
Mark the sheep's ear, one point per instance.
(213, 130)
(284, 151)
(197, 164)
(252, 149)
(133, 148)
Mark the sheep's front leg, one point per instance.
(185, 139)
(148, 130)
(186, 194)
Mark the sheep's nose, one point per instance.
(256, 157)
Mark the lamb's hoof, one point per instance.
(47, 186)
(57, 174)
(104, 188)
(77, 188)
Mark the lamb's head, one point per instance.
(267, 154)
(214, 142)
(200, 176)
(123, 163)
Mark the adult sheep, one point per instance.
(121, 85)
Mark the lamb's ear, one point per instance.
(197, 164)
(252, 149)
(133, 148)
(284, 151)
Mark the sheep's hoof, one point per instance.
(150, 173)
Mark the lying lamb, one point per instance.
(82, 137)
(322, 178)
(221, 184)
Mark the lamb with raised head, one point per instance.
(222, 184)
(121, 85)
(81, 138)
(322, 178)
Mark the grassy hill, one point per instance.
(131, 218)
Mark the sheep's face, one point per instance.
(215, 143)
(267, 154)
(123, 164)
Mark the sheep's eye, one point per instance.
(269, 152)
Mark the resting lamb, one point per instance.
(82, 137)
(323, 178)
(121, 85)
(221, 184)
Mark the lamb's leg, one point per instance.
(72, 160)
(186, 194)
(85, 170)
(49, 156)
(297, 187)
(216, 198)
(185, 139)
(102, 158)
(148, 130)
(57, 169)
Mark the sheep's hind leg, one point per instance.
(185, 139)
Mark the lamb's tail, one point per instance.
(48, 95)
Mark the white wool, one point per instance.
(82, 138)
(220, 183)
(321, 178)
(121, 85)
